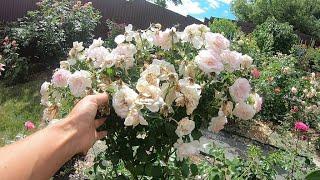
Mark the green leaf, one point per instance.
(315, 175)
(185, 170)
(194, 169)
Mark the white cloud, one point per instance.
(186, 8)
(216, 3)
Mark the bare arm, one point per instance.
(40, 155)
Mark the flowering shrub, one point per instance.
(43, 36)
(164, 86)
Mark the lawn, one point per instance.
(19, 104)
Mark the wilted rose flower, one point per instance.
(257, 102)
(124, 55)
(216, 41)
(135, 118)
(29, 125)
(277, 90)
(185, 127)
(122, 101)
(191, 94)
(209, 61)
(78, 82)
(255, 73)
(300, 126)
(244, 111)
(60, 78)
(217, 123)
(240, 90)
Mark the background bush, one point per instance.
(304, 15)
(226, 27)
(43, 36)
(272, 36)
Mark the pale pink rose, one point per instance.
(60, 78)
(163, 39)
(231, 59)
(185, 127)
(124, 55)
(216, 41)
(29, 125)
(240, 90)
(244, 111)
(209, 61)
(123, 100)
(217, 123)
(78, 82)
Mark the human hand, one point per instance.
(82, 120)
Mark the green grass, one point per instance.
(19, 104)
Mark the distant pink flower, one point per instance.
(29, 125)
(255, 73)
(300, 126)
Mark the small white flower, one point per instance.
(185, 127)
(44, 91)
(294, 90)
(120, 39)
(246, 61)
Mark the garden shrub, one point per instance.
(225, 27)
(309, 57)
(44, 35)
(164, 87)
(272, 36)
(114, 29)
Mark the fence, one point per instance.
(139, 13)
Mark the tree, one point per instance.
(304, 15)
(163, 3)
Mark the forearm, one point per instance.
(40, 155)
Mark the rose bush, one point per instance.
(165, 86)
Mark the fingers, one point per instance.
(99, 122)
(101, 98)
(101, 134)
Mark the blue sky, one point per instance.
(203, 8)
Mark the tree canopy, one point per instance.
(304, 15)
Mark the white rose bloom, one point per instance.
(166, 69)
(257, 102)
(209, 61)
(185, 127)
(135, 118)
(122, 101)
(163, 39)
(217, 123)
(124, 55)
(231, 59)
(246, 61)
(191, 93)
(64, 65)
(244, 111)
(78, 82)
(44, 91)
(195, 34)
(294, 90)
(185, 150)
(101, 57)
(96, 43)
(240, 90)
(130, 34)
(120, 39)
(216, 41)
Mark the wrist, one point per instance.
(66, 133)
